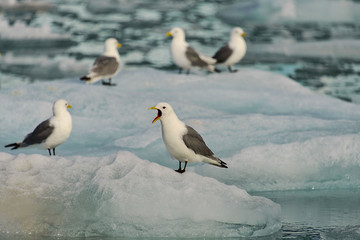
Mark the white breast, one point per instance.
(238, 46)
(62, 130)
(173, 138)
(177, 50)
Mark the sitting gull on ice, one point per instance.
(105, 66)
(234, 51)
(51, 132)
(185, 56)
(182, 141)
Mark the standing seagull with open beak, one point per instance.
(233, 51)
(105, 66)
(50, 133)
(182, 141)
(185, 56)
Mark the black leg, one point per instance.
(217, 70)
(108, 83)
(184, 167)
(49, 151)
(181, 170)
(54, 151)
(230, 70)
(180, 70)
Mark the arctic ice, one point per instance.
(114, 177)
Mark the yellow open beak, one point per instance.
(168, 34)
(243, 35)
(69, 106)
(158, 116)
(119, 45)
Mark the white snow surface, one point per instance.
(113, 176)
(122, 195)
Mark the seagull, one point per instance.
(105, 66)
(185, 56)
(182, 141)
(233, 51)
(50, 133)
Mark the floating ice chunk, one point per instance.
(285, 11)
(147, 15)
(111, 6)
(336, 49)
(23, 6)
(21, 31)
(42, 67)
(122, 195)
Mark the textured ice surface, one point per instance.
(42, 67)
(252, 120)
(122, 195)
(281, 11)
(273, 133)
(333, 49)
(20, 30)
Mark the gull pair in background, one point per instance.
(186, 57)
(182, 141)
(50, 133)
(105, 66)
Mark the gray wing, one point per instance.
(195, 142)
(223, 54)
(194, 58)
(104, 65)
(40, 134)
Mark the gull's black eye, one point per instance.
(164, 107)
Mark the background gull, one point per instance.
(50, 133)
(233, 51)
(185, 56)
(105, 66)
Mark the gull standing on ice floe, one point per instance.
(185, 56)
(182, 141)
(105, 66)
(50, 133)
(233, 51)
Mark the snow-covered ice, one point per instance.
(122, 195)
(286, 11)
(20, 31)
(114, 177)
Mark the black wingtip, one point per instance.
(14, 145)
(84, 78)
(217, 70)
(222, 164)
